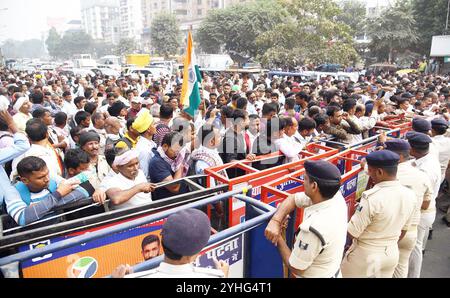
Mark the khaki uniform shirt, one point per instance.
(429, 164)
(383, 212)
(99, 171)
(418, 182)
(321, 258)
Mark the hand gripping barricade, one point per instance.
(103, 251)
(368, 144)
(236, 209)
(399, 122)
(231, 245)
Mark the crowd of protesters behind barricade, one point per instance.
(125, 140)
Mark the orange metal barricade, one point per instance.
(354, 182)
(256, 178)
(401, 123)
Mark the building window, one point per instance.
(199, 2)
(199, 12)
(181, 12)
(155, 5)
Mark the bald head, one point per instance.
(112, 125)
(3, 91)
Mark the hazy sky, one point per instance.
(26, 19)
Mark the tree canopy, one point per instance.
(125, 46)
(311, 33)
(354, 15)
(236, 28)
(394, 31)
(165, 35)
(72, 43)
(430, 17)
(280, 33)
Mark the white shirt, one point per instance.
(252, 138)
(289, 148)
(442, 145)
(21, 119)
(166, 270)
(69, 108)
(121, 182)
(48, 154)
(355, 139)
(144, 148)
(297, 137)
(368, 123)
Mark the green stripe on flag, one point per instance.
(194, 98)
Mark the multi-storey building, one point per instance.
(100, 19)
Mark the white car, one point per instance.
(108, 71)
(25, 68)
(83, 72)
(154, 72)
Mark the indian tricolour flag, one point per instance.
(192, 79)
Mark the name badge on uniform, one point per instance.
(302, 245)
(359, 208)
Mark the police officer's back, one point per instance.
(321, 238)
(382, 217)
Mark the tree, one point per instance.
(76, 42)
(31, 48)
(165, 35)
(101, 49)
(393, 31)
(311, 33)
(430, 17)
(235, 29)
(354, 15)
(53, 43)
(125, 46)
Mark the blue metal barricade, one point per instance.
(239, 242)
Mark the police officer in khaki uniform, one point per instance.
(184, 235)
(382, 219)
(320, 242)
(418, 182)
(428, 163)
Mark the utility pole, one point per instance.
(448, 12)
(2, 58)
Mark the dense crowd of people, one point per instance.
(128, 142)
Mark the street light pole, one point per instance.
(448, 11)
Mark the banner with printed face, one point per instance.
(95, 259)
(100, 257)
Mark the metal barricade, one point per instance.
(354, 181)
(368, 144)
(22, 239)
(398, 122)
(230, 245)
(257, 178)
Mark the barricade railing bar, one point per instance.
(28, 236)
(253, 173)
(111, 230)
(270, 194)
(255, 177)
(266, 212)
(364, 142)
